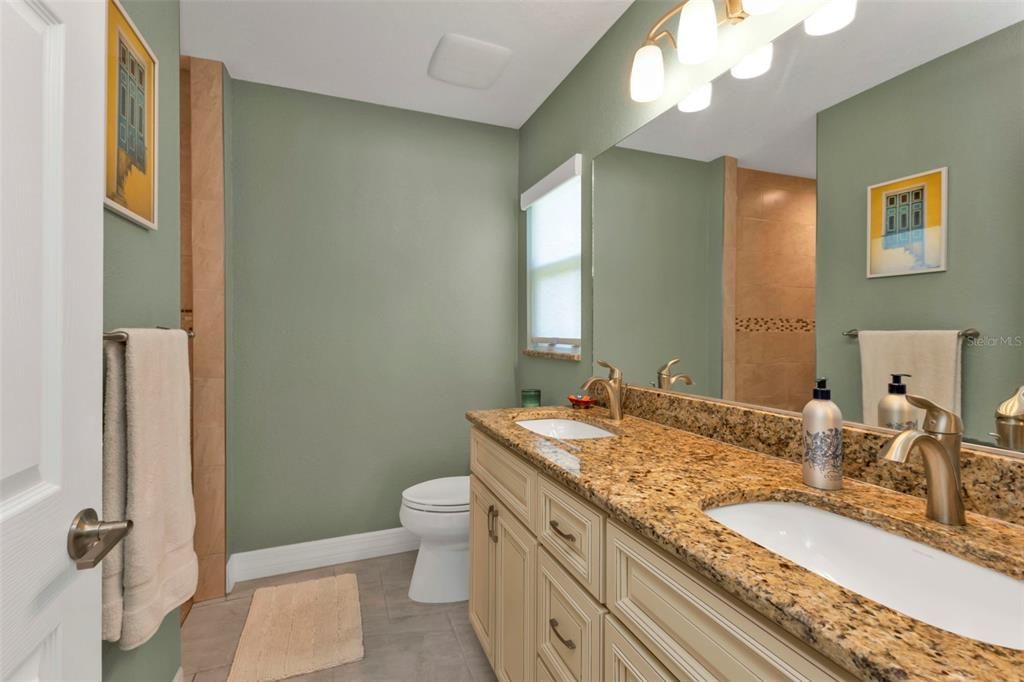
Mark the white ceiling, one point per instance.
(769, 123)
(378, 51)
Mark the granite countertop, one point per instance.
(658, 480)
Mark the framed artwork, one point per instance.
(907, 225)
(131, 121)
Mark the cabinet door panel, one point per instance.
(481, 565)
(515, 650)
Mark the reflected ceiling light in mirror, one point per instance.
(758, 7)
(831, 17)
(697, 36)
(647, 79)
(698, 100)
(754, 64)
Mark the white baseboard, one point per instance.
(303, 556)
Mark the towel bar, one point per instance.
(123, 336)
(969, 333)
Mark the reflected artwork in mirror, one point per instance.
(868, 181)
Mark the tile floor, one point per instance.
(404, 641)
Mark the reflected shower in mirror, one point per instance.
(869, 180)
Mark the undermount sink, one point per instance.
(564, 429)
(914, 579)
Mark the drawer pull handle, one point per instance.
(561, 533)
(567, 643)
(492, 514)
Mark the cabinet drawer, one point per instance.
(573, 531)
(569, 624)
(513, 481)
(543, 674)
(695, 629)
(626, 659)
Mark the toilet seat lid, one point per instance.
(440, 494)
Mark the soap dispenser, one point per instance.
(894, 410)
(823, 440)
(1010, 422)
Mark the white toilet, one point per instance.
(438, 512)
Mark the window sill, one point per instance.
(552, 354)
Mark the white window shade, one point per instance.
(554, 241)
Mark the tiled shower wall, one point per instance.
(774, 289)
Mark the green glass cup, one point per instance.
(530, 397)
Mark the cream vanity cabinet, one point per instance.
(560, 593)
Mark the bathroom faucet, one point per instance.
(612, 386)
(666, 379)
(939, 444)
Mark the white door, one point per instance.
(51, 286)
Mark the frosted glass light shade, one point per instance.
(758, 7)
(647, 79)
(831, 17)
(698, 100)
(755, 64)
(697, 36)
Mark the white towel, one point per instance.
(931, 356)
(147, 477)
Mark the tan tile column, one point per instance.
(205, 218)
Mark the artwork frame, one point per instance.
(907, 225)
(131, 156)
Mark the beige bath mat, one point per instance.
(299, 628)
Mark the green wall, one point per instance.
(965, 111)
(371, 302)
(591, 111)
(658, 266)
(141, 288)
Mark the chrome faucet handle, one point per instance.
(664, 369)
(937, 419)
(614, 373)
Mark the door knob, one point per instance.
(89, 539)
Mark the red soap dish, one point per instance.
(582, 403)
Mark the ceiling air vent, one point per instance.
(468, 62)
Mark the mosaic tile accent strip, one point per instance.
(774, 324)
(993, 484)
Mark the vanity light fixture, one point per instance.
(831, 17)
(697, 36)
(647, 80)
(698, 100)
(758, 7)
(754, 64)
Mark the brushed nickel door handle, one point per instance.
(89, 539)
(567, 643)
(569, 537)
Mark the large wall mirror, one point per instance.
(870, 180)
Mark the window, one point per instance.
(553, 247)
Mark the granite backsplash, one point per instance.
(993, 484)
